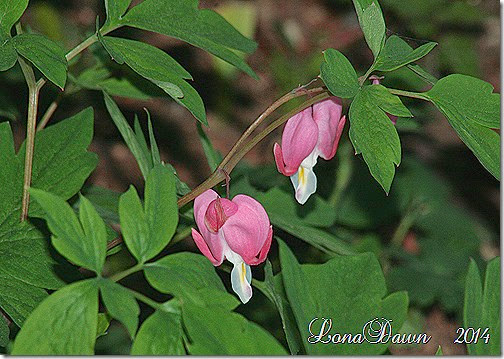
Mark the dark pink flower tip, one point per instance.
(212, 240)
(217, 213)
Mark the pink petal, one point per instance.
(299, 138)
(327, 115)
(264, 250)
(217, 213)
(203, 247)
(277, 152)
(212, 240)
(247, 231)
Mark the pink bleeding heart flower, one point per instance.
(238, 230)
(376, 81)
(312, 133)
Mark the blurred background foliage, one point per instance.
(443, 207)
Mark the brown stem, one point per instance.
(218, 175)
(301, 91)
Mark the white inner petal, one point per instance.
(304, 180)
(241, 275)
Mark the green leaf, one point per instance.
(473, 300)
(397, 53)
(373, 134)
(4, 332)
(424, 75)
(189, 276)
(467, 120)
(338, 74)
(278, 298)
(65, 323)
(351, 298)
(8, 55)
(220, 332)
(160, 334)
(317, 213)
(102, 325)
(134, 141)
(104, 200)
(372, 23)
(159, 68)
(439, 351)
(61, 164)
(468, 98)
(115, 9)
(482, 308)
(202, 28)
(47, 56)
(83, 243)
(128, 135)
(212, 155)
(156, 156)
(10, 12)
(148, 230)
(120, 304)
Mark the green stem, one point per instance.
(118, 276)
(343, 173)
(414, 212)
(79, 48)
(33, 95)
(184, 233)
(143, 298)
(49, 112)
(363, 78)
(409, 94)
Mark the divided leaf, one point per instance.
(83, 243)
(158, 67)
(338, 74)
(160, 334)
(397, 53)
(61, 164)
(65, 323)
(200, 27)
(349, 298)
(10, 12)
(373, 134)
(472, 110)
(115, 9)
(120, 304)
(131, 138)
(189, 276)
(148, 229)
(220, 332)
(47, 55)
(482, 308)
(372, 23)
(470, 99)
